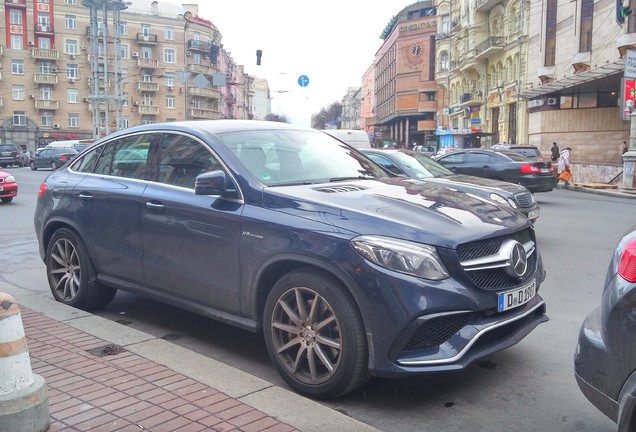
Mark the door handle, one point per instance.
(154, 205)
(85, 196)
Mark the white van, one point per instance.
(63, 144)
(355, 138)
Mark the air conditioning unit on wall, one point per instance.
(56, 126)
(552, 101)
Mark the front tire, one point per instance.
(315, 335)
(71, 274)
(33, 167)
(7, 200)
(53, 166)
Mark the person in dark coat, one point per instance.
(554, 151)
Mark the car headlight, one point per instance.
(501, 200)
(402, 256)
(9, 179)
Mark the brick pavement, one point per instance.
(94, 385)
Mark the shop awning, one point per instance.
(576, 79)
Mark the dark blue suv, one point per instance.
(347, 271)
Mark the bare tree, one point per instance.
(277, 118)
(327, 117)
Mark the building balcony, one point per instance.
(46, 104)
(148, 109)
(148, 86)
(209, 92)
(44, 78)
(16, 3)
(44, 29)
(146, 39)
(45, 54)
(147, 63)
(492, 45)
(198, 113)
(427, 106)
(625, 42)
(486, 5)
(198, 68)
(470, 99)
(426, 125)
(199, 45)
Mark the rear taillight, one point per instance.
(530, 169)
(42, 190)
(627, 264)
(63, 157)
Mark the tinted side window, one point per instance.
(87, 163)
(453, 158)
(131, 156)
(182, 159)
(479, 158)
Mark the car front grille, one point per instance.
(524, 199)
(497, 278)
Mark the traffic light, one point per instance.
(214, 53)
(622, 12)
(259, 54)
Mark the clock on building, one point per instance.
(416, 50)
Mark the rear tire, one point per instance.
(315, 335)
(33, 167)
(71, 274)
(53, 166)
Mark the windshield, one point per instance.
(287, 157)
(7, 147)
(419, 166)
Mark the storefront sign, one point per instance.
(419, 25)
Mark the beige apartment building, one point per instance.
(576, 94)
(71, 72)
(481, 54)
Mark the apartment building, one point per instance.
(351, 103)
(77, 72)
(406, 93)
(482, 48)
(576, 93)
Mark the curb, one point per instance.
(277, 402)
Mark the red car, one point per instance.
(8, 187)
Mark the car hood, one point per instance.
(470, 183)
(427, 212)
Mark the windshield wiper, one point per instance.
(367, 177)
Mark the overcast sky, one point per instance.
(332, 42)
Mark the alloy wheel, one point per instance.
(65, 269)
(306, 335)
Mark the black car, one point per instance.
(420, 167)
(10, 154)
(51, 158)
(501, 165)
(347, 271)
(605, 357)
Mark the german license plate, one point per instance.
(545, 170)
(516, 297)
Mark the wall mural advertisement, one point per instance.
(629, 96)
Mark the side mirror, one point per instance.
(214, 183)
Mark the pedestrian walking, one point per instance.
(554, 152)
(564, 166)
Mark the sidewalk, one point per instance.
(103, 376)
(620, 193)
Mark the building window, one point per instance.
(587, 13)
(71, 46)
(72, 71)
(123, 28)
(72, 96)
(124, 123)
(169, 56)
(145, 29)
(19, 118)
(46, 118)
(16, 42)
(146, 52)
(46, 92)
(125, 99)
(124, 51)
(17, 67)
(46, 67)
(44, 43)
(171, 102)
(18, 92)
(443, 61)
(70, 2)
(445, 24)
(15, 17)
(168, 33)
(196, 58)
(73, 120)
(70, 21)
(44, 19)
(169, 77)
(550, 33)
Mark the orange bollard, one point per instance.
(24, 404)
